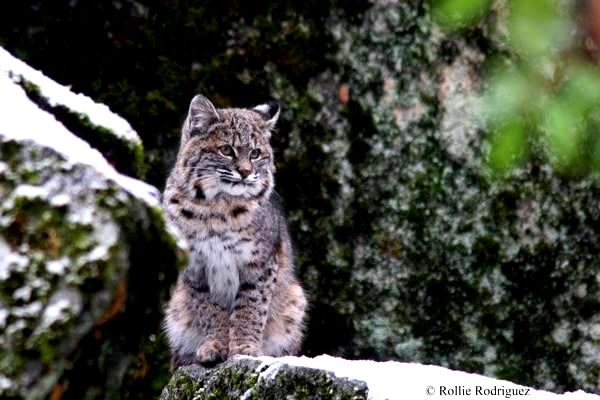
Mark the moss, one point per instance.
(95, 239)
(420, 231)
(181, 386)
(31, 89)
(251, 380)
(307, 385)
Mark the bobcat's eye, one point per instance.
(227, 151)
(254, 154)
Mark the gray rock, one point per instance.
(85, 257)
(251, 378)
(326, 377)
(411, 249)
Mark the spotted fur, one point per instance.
(239, 294)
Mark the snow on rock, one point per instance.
(16, 122)
(80, 245)
(326, 377)
(91, 121)
(57, 94)
(395, 380)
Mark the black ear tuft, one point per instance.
(270, 112)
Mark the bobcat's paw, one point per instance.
(246, 349)
(211, 352)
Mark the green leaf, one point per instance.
(582, 86)
(537, 28)
(563, 133)
(596, 157)
(455, 14)
(508, 146)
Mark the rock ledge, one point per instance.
(326, 377)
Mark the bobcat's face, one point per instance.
(226, 152)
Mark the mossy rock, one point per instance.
(410, 248)
(250, 378)
(86, 260)
(331, 378)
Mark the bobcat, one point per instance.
(239, 294)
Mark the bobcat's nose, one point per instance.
(244, 172)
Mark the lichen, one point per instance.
(411, 250)
(250, 379)
(45, 311)
(75, 252)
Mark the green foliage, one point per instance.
(537, 29)
(544, 98)
(458, 13)
(508, 146)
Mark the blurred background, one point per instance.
(438, 160)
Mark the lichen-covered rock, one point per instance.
(326, 378)
(92, 122)
(410, 249)
(85, 260)
(252, 378)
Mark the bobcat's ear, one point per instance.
(270, 113)
(202, 113)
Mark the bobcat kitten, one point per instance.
(239, 294)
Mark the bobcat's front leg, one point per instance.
(197, 329)
(213, 322)
(215, 347)
(247, 322)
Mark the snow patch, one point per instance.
(60, 200)
(30, 310)
(3, 316)
(56, 94)
(30, 192)
(56, 311)
(62, 306)
(10, 262)
(22, 120)
(57, 267)
(395, 380)
(5, 383)
(23, 293)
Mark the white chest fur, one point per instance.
(222, 260)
